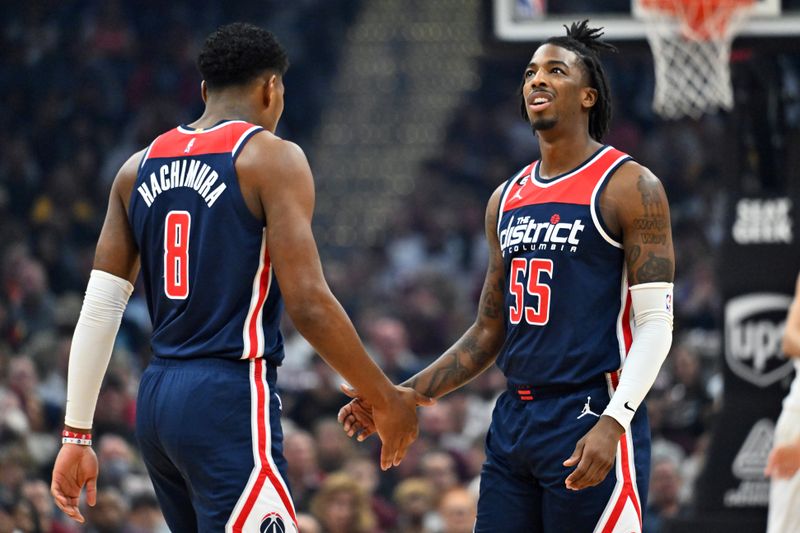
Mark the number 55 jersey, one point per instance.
(205, 264)
(568, 313)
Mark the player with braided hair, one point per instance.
(576, 310)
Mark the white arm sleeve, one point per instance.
(652, 338)
(105, 301)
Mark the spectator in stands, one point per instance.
(109, 514)
(341, 506)
(364, 470)
(333, 446)
(37, 493)
(387, 343)
(663, 500)
(145, 515)
(458, 509)
(687, 401)
(303, 472)
(415, 499)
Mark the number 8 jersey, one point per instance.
(205, 265)
(567, 307)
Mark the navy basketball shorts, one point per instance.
(522, 481)
(210, 435)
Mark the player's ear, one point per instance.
(588, 97)
(204, 91)
(270, 89)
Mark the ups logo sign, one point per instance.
(754, 326)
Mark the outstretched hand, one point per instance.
(594, 454)
(396, 423)
(75, 467)
(783, 461)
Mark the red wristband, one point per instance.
(71, 437)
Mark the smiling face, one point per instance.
(556, 89)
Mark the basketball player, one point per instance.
(576, 310)
(784, 460)
(218, 215)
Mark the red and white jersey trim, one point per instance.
(623, 513)
(265, 491)
(512, 182)
(226, 137)
(594, 203)
(565, 177)
(201, 131)
(253, 330)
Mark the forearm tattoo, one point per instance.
(473, 352)
(463, 362)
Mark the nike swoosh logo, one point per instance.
(629, 408)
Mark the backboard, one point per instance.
(534, 20)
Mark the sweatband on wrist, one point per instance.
(71, 437)
(652, 338)
(105, 301)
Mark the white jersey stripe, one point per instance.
(626, 519)
(268, 498)
(237, 509)
(259, 317)
(623, 298)
(615, 494)
(241, 140)
(147, 153)
(255, 294)
(268, 486)
(587, 164)
(201, 131)
(592, 204)
(632, 466)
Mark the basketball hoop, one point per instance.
(691, 43)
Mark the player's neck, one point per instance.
(215, 112)
(562, 153)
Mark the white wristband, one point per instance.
(652, 338)
(105, 301)
(79, 442)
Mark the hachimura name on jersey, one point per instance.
(190, 173)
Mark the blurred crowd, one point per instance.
(86, 83)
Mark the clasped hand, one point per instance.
(395, 422)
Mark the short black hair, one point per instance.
(586, 44)
(237, 53)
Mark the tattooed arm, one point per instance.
(477, 349)
(468, 357)
(635, 206)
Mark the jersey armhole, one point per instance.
(612, 238)
(134, 189)
(246, 136)
(239, 203)
(506, 189)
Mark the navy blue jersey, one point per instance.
(205, 264)
(567, 308)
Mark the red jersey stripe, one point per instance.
(186, 143)
(256, 343)
(265, 471)
(574, 188)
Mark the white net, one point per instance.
(691, 44)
